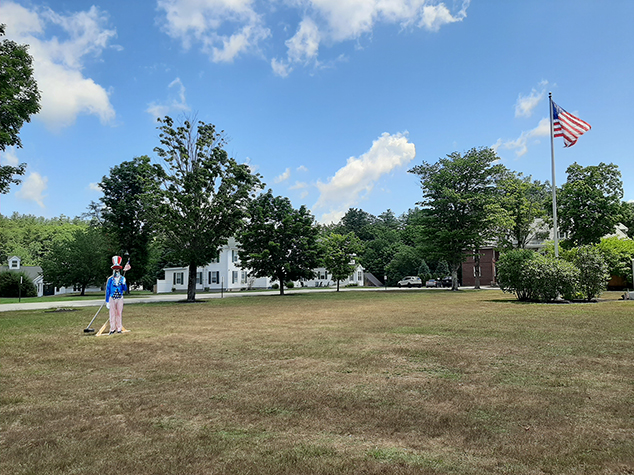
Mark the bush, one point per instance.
(593, 271)
(532, 276)
(549, 277)
(510, 274)
(289, 285)
(618, 254)
(275, 286)
(10, 285)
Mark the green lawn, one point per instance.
(425, 381)
(72, 296)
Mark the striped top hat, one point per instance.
(116, 262)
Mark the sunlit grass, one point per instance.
(359, 382)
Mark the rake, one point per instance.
(92, 330)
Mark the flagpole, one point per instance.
(552, 159)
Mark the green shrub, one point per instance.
(593, 271)
(10, 285)
(275, 286)
(510, 276)
(618, 254)
(289, 285)
(549, 277)
(532, 276)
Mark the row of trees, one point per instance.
(182, 211)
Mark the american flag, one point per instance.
(127, 266)
(568, 126)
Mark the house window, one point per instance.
(178, 278)
(234, 276)
(199, 278)
(234, 255)
(359, 276)
(214, 277)
(244, 276)
(15, 264)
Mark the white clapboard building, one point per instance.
(225, 272)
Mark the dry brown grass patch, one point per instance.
(385, 382)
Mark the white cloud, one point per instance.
(357, 178)
(305, 44)
(226, 29)
(526, 104)
(520, 144)
(9, 157)
(349, 19)
(33, 188)
(283, 177)
(299, 185)
(335, 21)
(177, 103)
(200, 21)
(280, 68)
(435, 16)
(58, 64)
(94, 187)
(302, 168)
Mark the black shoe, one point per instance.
(111, 332)
(118, 331)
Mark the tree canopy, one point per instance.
(129, 196)
(279, 242)
(460, 192)
(81, 260)
(525, 202)
(19, 99)
(340, 251)
(31, 238)
(204, 194)
(589, 203)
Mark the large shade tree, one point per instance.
(129, 196)
(19, 99)
(526, 203)
(204, 194)
(279, 241)
(589, 203)
(464, 211)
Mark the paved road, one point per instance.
(162, 298)
(9, 307)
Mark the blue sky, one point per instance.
(331, 101)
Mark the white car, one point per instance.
(410, 281)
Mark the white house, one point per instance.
(33, 272)
(225, 272)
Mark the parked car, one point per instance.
(446, 281)
(410, 281)
(433, 283)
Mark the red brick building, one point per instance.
(488, 258)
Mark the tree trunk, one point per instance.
(83, 289)
(280, 277)
(454, 276)
(476, 268)
(191, 282)
(337, 286)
